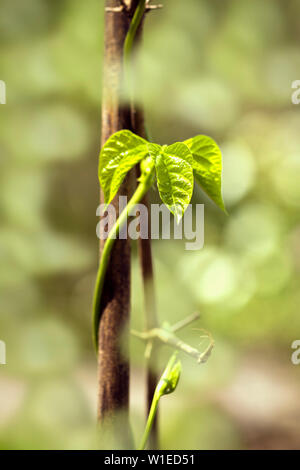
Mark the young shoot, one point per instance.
(166, 385)
(174, 168)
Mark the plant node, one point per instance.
(165, 335)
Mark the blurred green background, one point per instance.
(222, 68)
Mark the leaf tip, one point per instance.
(178, 211)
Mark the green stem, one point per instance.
(128, 45)
(135, 22)
(144, 185)
(150, 422)
(145, 253)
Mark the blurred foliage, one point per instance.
(221, 68)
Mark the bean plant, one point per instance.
(174, 170)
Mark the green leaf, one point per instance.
(122, 151)
(154, 150)
(170, 377)
(207, 164)
(175, 179)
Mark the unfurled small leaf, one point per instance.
(122, 151)
(170, 377)
(207, 165)
(175, 179)
(167, 384)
